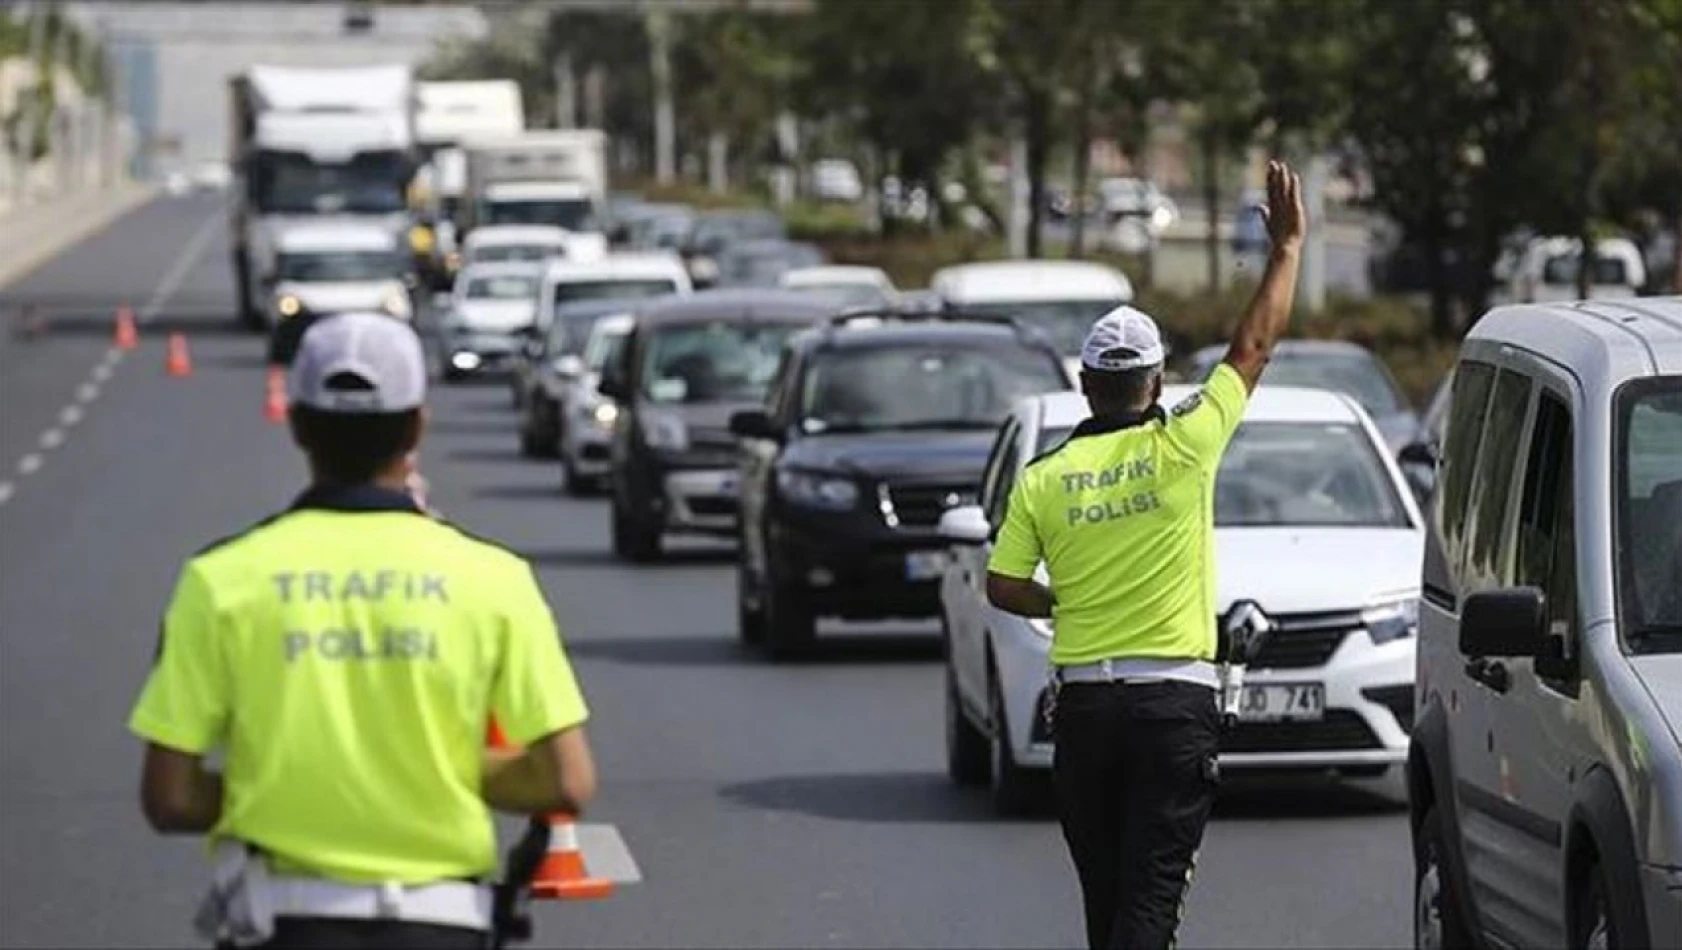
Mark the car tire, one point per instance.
(1439, 922)
(790, 624)
(750, 617)
(966, 746)
(633, 540)
(1594, 926)
(576, 484)
(1013, 787)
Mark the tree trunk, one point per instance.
(1437, 278)
(1039, 152)
(1083, 160)
(1212, 206)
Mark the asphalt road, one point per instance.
(766, 805)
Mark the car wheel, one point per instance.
(632, 539)
(790, 625)
(750, 610)
(1012, 785)
(1594, 929)
(576, 485)
(966, 746)
(1438, 921)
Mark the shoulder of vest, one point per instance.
(239, 535)
(497, 546)
(1048, 453)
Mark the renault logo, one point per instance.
(1246, 616)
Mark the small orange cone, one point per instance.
(178, 363)
(562, 876)
(126, 338)
(274, 405)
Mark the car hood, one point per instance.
(495, 314)
(341, 295)
(934, 454)
(1309, 570)
(1662, 675)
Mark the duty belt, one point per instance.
(1140, 670)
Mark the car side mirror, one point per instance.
(1418, 453)
(965, 524)
(1511, 622)
(754, 424)
(568, 366)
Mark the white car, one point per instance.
(629, 275)
(490, 311)
(1313, 522)
(529, 242)
(1546, 271)
(849, 285)
(1061, 298)
(588, 416)
(338, 266)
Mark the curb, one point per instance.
(38, 233)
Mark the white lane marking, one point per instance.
(606, 855)
(178, 272)
(88, 391)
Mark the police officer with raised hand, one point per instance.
(344, 657)
(1122, 514)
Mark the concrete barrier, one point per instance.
(33, 234)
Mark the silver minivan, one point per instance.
(1545, 773)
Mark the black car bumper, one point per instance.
(853, 567)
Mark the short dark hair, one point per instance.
(1121, 387)
(354, 447)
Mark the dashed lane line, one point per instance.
(89, 391)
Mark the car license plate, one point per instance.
(923, 565)
(1290, 702)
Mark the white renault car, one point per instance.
(1314, 522)
(491, 309)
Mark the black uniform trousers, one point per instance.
(1135, 772)
(330, 933)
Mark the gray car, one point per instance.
(1545, 762)
(1338, 365)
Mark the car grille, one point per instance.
(920, 505)
(1341, 730)
(1304, 640)
(707, 506)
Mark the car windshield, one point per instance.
(603, 346)
(1562, 269)
(1064, 321)
(922, 386)
(570, 292)
(573, 322)
(1649, 504)
(574, 214)
(1357, 375)
(517, 252)
(329, 266)
(288, 183)
(721, 361)
(1289, 474)
(846, 295)
(502, 287)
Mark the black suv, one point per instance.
(875, 426)
(690, 363)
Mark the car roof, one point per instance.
(866, 334)
(503, 269)
(627, 265)
(516, 234)
(1061, 410)
(1603, 341)
(741, 304)
(336, 236)
(1023, 281)
(834, 274)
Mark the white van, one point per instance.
(631, 275)
(1061, 298)
(495, 243)
(335, 266)
(1546, 271)
(1545, 764)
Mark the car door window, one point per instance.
(1546, 551)
(1487, 559)
(995, 459)
(1006, 478)
(1472, 382)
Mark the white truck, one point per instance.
(451, 116)
(309, 142)
(556, 177)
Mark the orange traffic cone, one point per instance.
(178, 363)
(274, 405)
(562, 876)
(126, 338)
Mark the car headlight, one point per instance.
(817, 490)
(288, 306)
(396, 303)
(1391, 619)
(665, 432)
(605, 413)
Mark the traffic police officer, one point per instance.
(345, 657)
(1122, 514)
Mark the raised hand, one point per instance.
(1286, 221)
